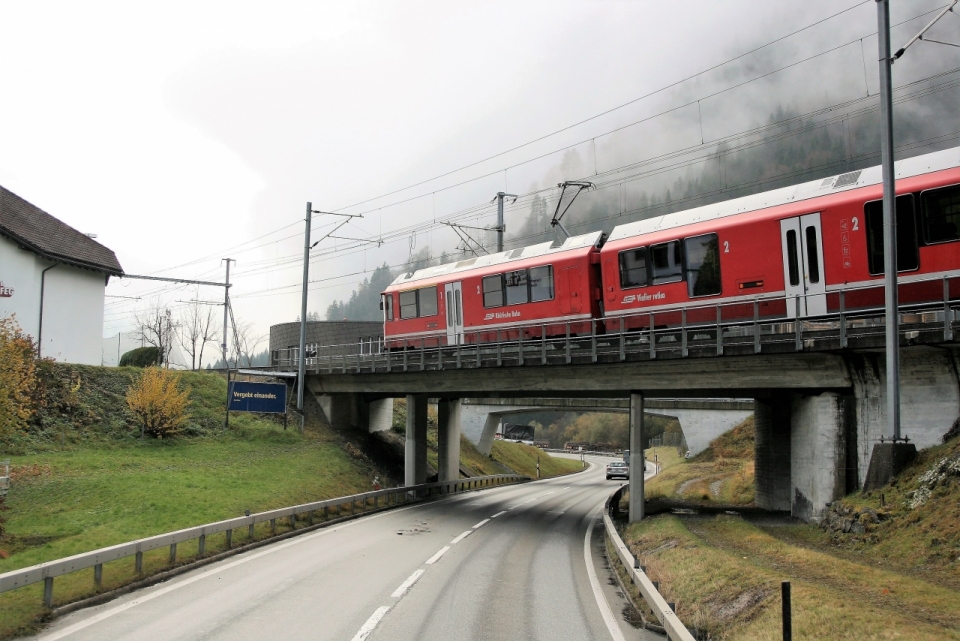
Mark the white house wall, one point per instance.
(20, 270)
(73, 315)
(72, 310)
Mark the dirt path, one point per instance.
(715, 488)
(683, 487)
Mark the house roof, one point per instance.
(36, 230)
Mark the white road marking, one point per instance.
(461, 537)
(605, 612)
(436, 557)
(371, 623)
(498, 514)
(539, 496)
(406, 585)
(482, 523)
(76, 627)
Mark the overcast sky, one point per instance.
(178, 131)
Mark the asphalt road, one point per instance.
(518, 562)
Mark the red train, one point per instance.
(780, 254)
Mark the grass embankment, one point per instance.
(724, 575)
(523, 460)
(723, 473)
(83, 479)
(867, 572)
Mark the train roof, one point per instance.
(542, 249)
(906, 168)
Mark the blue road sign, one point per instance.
(267, 398)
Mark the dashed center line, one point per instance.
(371, 623)
(482, 523)
(406, 585)
(461, 537)
(436, 557)
(498, 514)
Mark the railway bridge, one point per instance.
(817, 384)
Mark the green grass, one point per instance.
(82, 478)
(724, 575)
(727, 461)
(63, 503)
(523, 460)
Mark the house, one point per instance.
(52, 277)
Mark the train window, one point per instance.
(941, 214)
(493, 291)
(408, 304)
(908, 253)
(516, 287)
(633, 268)
(813, 256)
(667, 262)
(793, 259)
(387, 307)
(541, 283)
(703, 265)
(427, 301)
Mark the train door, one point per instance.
(804, 282)
(453, 297)
(569, 290)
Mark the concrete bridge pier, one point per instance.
(805, 451)
(448, 439)
(415, 459)
(771, 418)
(352, 410)
(637, 462)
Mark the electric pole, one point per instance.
(500, 226)
(302, 360)
(226, 309)
(892, 316)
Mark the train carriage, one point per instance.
(802, 251)
(535, 290)
(788, 252)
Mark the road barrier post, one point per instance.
(787, 614)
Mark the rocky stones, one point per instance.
(846, 519)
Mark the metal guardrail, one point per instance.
(664, 613)
(95, 559)
(684, 332)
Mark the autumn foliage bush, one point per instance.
(159, 403)
(18, 378)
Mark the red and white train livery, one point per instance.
(789, 251)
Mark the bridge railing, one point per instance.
(46, 572)
(762, 322)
